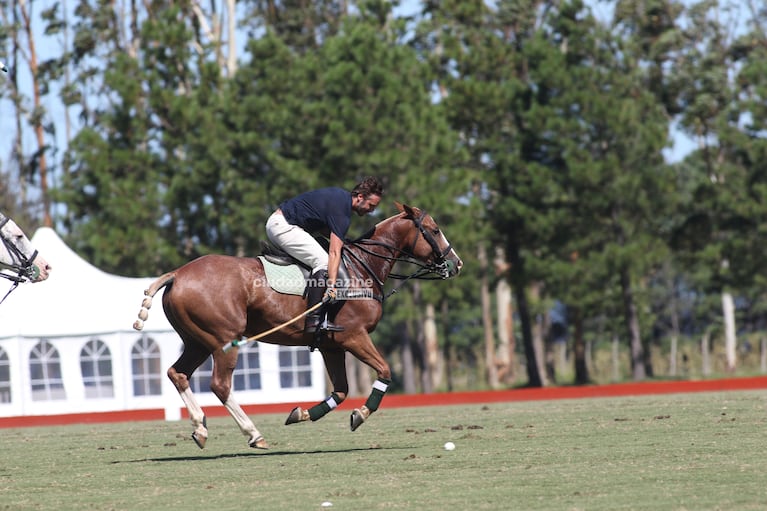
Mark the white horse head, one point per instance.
(18, 256)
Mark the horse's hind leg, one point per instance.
(335, 364)
(221, 385)
(179, 374)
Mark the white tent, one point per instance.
(67, 346)
(77, 299)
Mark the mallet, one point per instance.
(240, 342)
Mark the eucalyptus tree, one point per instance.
(128, 205)
(720, 231)
(481, 78)
(31, 75)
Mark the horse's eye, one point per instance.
(435, 232)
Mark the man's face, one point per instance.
(364, 205)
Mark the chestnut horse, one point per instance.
(19, 261)
(215, 300)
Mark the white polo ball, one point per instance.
(449, 446)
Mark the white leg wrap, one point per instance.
(195, 411)
(243, 421)
(331, 402)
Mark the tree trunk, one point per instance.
(533, 374)
(42, 162)
(446, 349)
(418, 334)
(632, 325)
(431, 350)
(579, 348)
(518, 286)
(616, 359)
(231, 57)
(538, 329)
(487, 318)
(730, 341)
(672, 356)
(408, 366)
(506, 359)
(704, 354)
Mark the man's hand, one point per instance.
(330, 295)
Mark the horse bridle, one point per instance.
(22, 267)
(441, 266)
(439, 269)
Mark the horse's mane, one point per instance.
(367, 235)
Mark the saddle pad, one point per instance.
(284, 279)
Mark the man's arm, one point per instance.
(334, 258)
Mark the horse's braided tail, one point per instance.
(146, 304)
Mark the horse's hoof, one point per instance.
(259, 443)
(359, 415)
(199, 440)
(298, 414)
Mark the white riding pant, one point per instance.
(296, 242)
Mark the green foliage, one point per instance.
(529, 127)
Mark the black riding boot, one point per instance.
(315, 289)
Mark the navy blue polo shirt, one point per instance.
(317, 210)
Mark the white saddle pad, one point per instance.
(284, 279)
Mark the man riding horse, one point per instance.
(326, 210)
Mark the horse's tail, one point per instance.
(146, 304)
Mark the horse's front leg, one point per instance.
(362, 347)
(221, 385)
(335, 364)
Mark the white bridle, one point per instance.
(19, 261)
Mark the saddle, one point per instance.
(286, 274)
(276, 255)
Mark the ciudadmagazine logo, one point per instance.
(346, 289)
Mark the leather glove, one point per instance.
(330, 295)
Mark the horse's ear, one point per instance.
(409, 211)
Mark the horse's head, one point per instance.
(18, 255)
(428, 243)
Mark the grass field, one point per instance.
(701, 451)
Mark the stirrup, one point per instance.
(329, 326)
(314, 323)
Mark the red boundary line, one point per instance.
(412, 400)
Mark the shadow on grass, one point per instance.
(257, 454)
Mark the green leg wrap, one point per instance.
(380, 386)
(320, 410)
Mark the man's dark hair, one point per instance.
(368, 186)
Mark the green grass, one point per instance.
(673, 452)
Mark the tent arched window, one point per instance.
(5, 377)
(96, 369)
(145, 365)
(247, 374)
(295, 367)
(45, 372)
